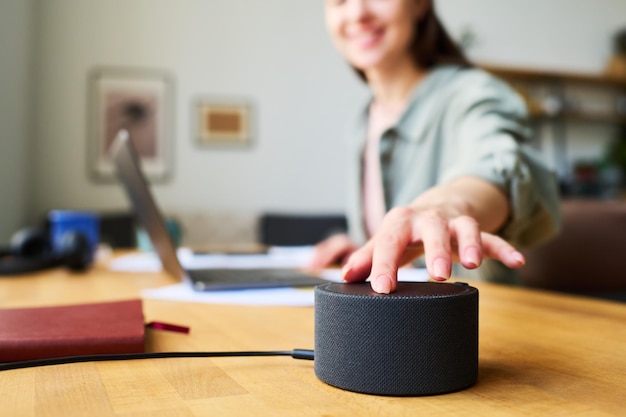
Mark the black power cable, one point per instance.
(296, 354)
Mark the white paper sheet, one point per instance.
(277, 257)
(262, 297)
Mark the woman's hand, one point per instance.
(332, 250)
(407, 234)
(441, 226)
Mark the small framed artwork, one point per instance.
(139, 101)
(224, 122)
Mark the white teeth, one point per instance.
(365, 37)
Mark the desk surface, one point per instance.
(540, 354)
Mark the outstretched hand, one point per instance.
(407, 233)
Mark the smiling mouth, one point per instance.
(366, 39)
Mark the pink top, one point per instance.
(373, 197)
(374, 208)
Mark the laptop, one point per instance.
(147, 213)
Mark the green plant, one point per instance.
(616, 152)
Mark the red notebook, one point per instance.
(70, 330)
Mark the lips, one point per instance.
(365, 39)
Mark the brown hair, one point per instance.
(432, 45)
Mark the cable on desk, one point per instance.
(296, 354)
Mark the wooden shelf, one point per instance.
(566, 105)
(576, 117)
(537, 75)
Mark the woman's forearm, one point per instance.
(469, 196)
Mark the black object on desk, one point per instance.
(421, 339)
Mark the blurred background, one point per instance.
(276, 56)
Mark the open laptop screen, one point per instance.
(207, 279)
(144, 206)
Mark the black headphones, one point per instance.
(30, 250)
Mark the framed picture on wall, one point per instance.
(139, 101)
(223, 122)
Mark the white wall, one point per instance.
(274, 53)
(16, 116)
(568, 35)
(277, 54)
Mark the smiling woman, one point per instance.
(442, 166)
(420, 29)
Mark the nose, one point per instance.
(358, 9)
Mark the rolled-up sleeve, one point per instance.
(487, 137)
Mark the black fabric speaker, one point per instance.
(421, 339)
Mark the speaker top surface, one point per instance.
(403, 290)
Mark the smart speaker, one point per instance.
(421, 339)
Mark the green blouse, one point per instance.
(461, 122)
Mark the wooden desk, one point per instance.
(540, 354)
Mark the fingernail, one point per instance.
(382, 284)
(472, 257)
(441, 270)
(344, 271)
(517, 256)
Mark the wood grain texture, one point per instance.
(541, 354)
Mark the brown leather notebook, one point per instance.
(70, 330)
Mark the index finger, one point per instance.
(390, 244)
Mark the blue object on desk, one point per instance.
(63, 222)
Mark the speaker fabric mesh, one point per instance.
(420, 340)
